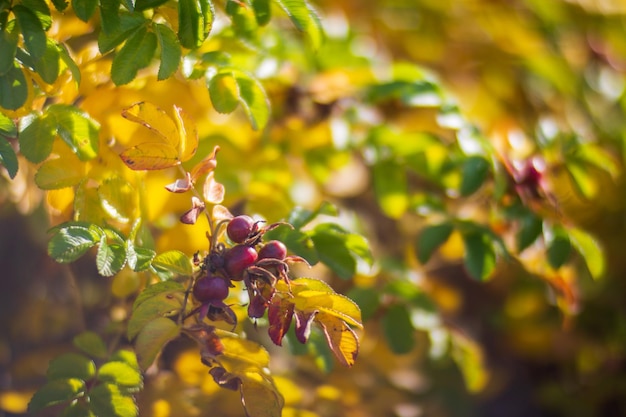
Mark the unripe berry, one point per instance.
(237, 259)
(240, 227)
(210, 288)
(273, 249)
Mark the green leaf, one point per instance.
(67, 59)
(138, 258)
(305, 19)
(122, 28)
(32, 31)
(141, 5)
(56, 173)
(13, 88)
(73, 241)
(332, 251)
(84, 9)
(262, 11)
(368, 300)
(296, 241)
(163, 304)
(37, 138)
(398, 329)
(431, 238)
(8, 158)
(48, 65)
(170, 51)
(126, 356)
(118, 198)
(195, 20)
(531, 227)
(480, 257)
(300, 217)
(224, 92)
(475, 171)
(77, 130)
(91, 343)
(170, 287)
(120, 374)
(41, 10)
(78, 409)
(136, 54)
(590, 250)
(174, 261)
(254, 100)
(390, 187)
(7, 127)
(108, 400)
(110, 258)
(56, 392)
(243, 19)
(71, 365)
(60, 5)
(8, 48)
(152, 338)
(110, 19)
(559, 248)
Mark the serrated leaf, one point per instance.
(120, 374)
(119, 28)
(56, 392)
(37, 138)
(126, 356)
(110, 258)
(474, 172)
(224, 92)
(84, 9)
(141, 5)
(48, 65)
(243, 19)
(8, 158)
(170, 51)
(56, 173)
(195, 20)
(152, 338)
(305, 19)
(41, 10)
(245, 354)
(341, 339)
(480, 258)
(139, 259)
(71, 242)
(71, 365)
(13, 88)
(398, 329)
(32, 30)
(159, 305)
(109, 16)
(158, 288)
(108, 400)
(136, 54)
(590, 250)
(333, 304)
(431, 238)
(8, 48)
(174, 261)
(76, 128)
(254, 100)
(91, 343)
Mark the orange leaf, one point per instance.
(205, 166)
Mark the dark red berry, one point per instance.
(237, 259)
(240, 227)
(210, 288)
(273, 249)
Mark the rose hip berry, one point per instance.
(240, 227)
(273, 249)
(210, 288)
(237, 259)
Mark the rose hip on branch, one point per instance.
(237, 259)
(240, 228)
(273, 249)
(210, 287)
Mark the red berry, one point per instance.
(210, 288)
(273, 249)
(237, 259)
(240, 227)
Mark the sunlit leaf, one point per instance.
(91, 343)
(110, 258)
(244, 354)
(300, 217)
(71, 365)
(120, 374)
(195, 20)
(41, 10)
(118, 198)
(431, 238)
(108, 400)
(55, 392)
(157, 306)
(590, 250)
(187, 138)
(139, 258)
(224, 92)
(332, 304)
(173, 261)
(260, 397)
(73, 241)
(398, 329)
(158, 288)
(341, 339)
(262, 11)
(279, 316)
(57, 173)
(76, 128)
(253, 99)
(332, 251)
(152, 338)
(390, 186)
(136, 54)
(32, 30)
(212, 191)
(469, 357)
(126, 356)
(305, 19)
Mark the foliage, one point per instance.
(475, 227)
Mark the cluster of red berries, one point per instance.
(259, 264)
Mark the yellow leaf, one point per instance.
(260, 397)
(187, 134)
(243, 354)
(341, 339)
(155, 119)
(150, 156)
(333, 304)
